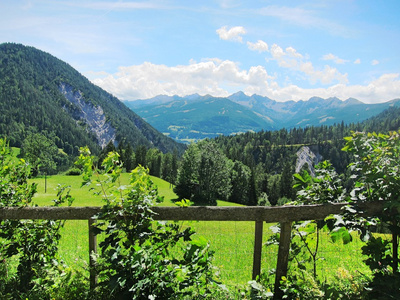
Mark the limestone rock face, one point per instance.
(306, 156)
(92, 116)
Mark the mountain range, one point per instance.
(197, 117)
(40, 93)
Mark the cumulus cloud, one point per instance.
(385, 88)
(291, 59)
(334, 58)
(260, 46)
(223, 77)
(357, 61)
(232, 34)
(213, 76)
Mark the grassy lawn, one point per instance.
(233, 242)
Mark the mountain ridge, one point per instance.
(265, 113)
(32, 98)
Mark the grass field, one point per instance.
(233, 242)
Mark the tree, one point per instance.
(41, 153)
(154, 161)
(241, 177)
(214, 179)
(187, 179)
(129, 158)
(140, 154)
(204, 174)
(274, 189)
(286, 182)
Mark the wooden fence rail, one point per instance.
(284, 215)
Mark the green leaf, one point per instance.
(341, 234)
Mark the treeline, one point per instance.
(162, 165)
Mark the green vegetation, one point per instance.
(375, 174)
(140, 258)
(310, 276)
(31, 101)
(207, 117)
(32, 245)
(342, 257)
(231, 241)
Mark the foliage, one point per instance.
(32, 243)
(141, 258)
(30, 82)
(74, 172)
(375, 172)
(377, 178)
(325, 187)
(41, 152)
(204, 174)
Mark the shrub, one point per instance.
(140, 258)
(74, 172)
(33, 242)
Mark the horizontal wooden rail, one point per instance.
(284, 215)
(196, 213)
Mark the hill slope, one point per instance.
(40, 92)
(187, 120)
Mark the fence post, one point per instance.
(283, 257)
(92, 249)
(258, 236)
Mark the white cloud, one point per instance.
(260, 46)
(374, 62)
(233, 34)
(385, 88)
(214, 76)
(223, 77)
(357, 61)
(334, 58)
(291, 59)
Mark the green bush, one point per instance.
(31, 244)
(140, 258)
(74, 172)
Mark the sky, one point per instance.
(285, 50)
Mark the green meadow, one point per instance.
(233, 242)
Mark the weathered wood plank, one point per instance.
(258, 236)
(283, 257)
(92, 251)
(49, 213)
(196, 213)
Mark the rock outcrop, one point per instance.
(306, 156)
(91, 115)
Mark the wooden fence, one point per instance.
(284, 215)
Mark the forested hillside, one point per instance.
(33, 98)
(260, 165)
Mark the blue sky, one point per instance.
(286, 50)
